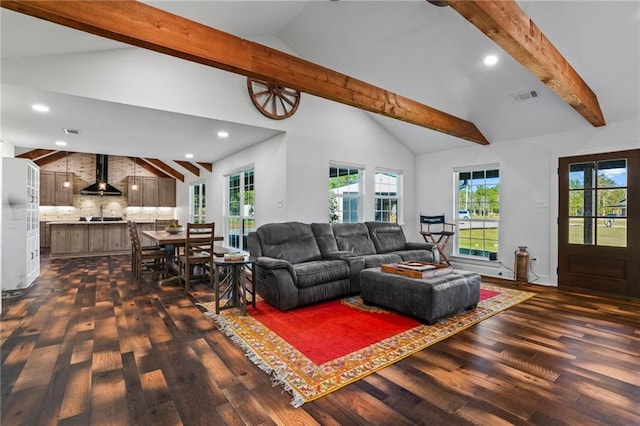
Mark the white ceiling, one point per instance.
(413, 48)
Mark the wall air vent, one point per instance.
(72, 131)
(516, 98)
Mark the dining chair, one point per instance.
(436, 230)
(161, 224)
(145, 259)
(199, 250)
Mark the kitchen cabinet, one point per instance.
(67, 238)
(20, 223)
(151, 192)
(107, 237)
(45, 236)
(134, 196)
(52, 190)
(166, 192)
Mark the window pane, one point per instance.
(581, 203)
(344, 194)
(478, 210)
(581, 231)
(581, 175)
(612, 232)
(240, 209)
(612, 173)
(387, 194)
(612, 202)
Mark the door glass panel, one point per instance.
(612, 173)
(581, 231)
(612, 232)
(612, 202)
(581, 203)
(581, 175)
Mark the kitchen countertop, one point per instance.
(82, 222)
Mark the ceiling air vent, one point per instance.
(516, 98)
(72, 131)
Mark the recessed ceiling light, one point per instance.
(61, 143)
(40, 108)
(223, 134)
(490, 60)
(189, 155)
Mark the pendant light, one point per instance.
(134, 185)
(67, 183)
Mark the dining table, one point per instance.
(177, 239)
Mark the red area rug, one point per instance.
(315, 350)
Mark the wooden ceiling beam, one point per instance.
(206, 166)
(58, 155)
(150, 168)
(190, 167)
(504, 22)
(164, 167)
(36, 153)
(144, 26)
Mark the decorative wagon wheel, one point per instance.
(272, 100)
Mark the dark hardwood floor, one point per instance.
(86, 344)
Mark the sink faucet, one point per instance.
(101, 214)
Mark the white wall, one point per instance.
(528, 188)
(292, 169)
(6, 150)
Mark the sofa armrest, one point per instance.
(420, 246)
(425, 246)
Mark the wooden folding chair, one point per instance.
(434, 229)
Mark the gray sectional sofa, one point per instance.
(300, 264)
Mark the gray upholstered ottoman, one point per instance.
(426, 299)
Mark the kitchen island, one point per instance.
(95, 238)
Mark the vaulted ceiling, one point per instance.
(429, 54)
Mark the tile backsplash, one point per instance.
(89, 205)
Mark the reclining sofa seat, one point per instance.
(290, 271)
(299, 264)
(389, 238)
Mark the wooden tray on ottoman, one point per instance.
(414, 269)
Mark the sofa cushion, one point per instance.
(325, 238)
(291, 241)
(375, 260)
(317, 272)
(353, 237)
(386, 236)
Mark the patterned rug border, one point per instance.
(306, 381)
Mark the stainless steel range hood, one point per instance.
(101, 185)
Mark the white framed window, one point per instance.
(197, 203)
(477, 210)
(388, 196)
(240, 208)
(345, 193)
